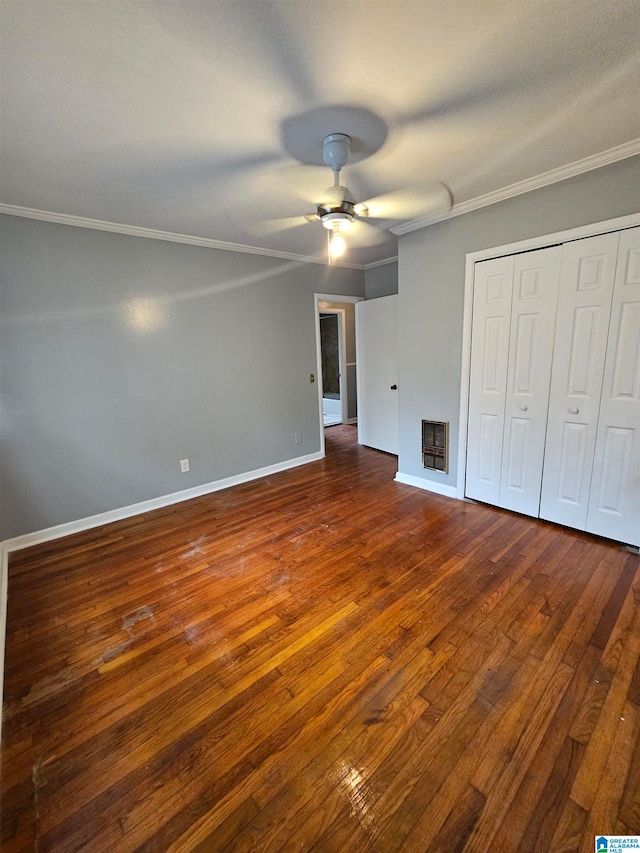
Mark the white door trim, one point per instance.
(618, 224)
(318, 298)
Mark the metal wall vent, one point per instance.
(435, 445)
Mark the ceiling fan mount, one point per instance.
(336, 150)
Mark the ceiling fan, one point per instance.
(343, 216)
(347, 221)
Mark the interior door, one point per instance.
(584, 306)
(377, 366)
(533, 315)
(614, 502)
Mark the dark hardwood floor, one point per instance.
(323, 660)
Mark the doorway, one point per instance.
(339, 405)
(332, 347)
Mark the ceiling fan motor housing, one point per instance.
(338, 203)
(329, 212)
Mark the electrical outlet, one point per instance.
(184, 466)
(298, 438)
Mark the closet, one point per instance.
(554, 393)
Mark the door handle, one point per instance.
(394, 387)
(523, 407)
(574, 410)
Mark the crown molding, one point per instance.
(154, 234)
(587, 164)
(383, 263)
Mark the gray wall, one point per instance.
(381, 281)
(431, 286)
(122, 355)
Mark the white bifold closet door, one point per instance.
(584, 307)
(554, 400)
(614, 502)
(511, 350)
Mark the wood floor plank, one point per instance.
(588, 777)
(321, 660)
(457, 828)
(395, 779)
(629, 811)
(502, 794)
(549, 772)
(569, 832)
(604, 811)
(544, 815)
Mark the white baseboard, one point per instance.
(4, 580)
(427, 485)
(60, 530)
(352, 421)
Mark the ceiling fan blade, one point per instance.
(411, 202)
(284, 192)
(176, 169)
(290, 182)
(364, 234)
(267, 227)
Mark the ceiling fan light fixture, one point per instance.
(336, 223)
(337, 220)
(338, 244)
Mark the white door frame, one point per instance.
(510, 249)
(329, 297)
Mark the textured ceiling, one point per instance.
(202, 118)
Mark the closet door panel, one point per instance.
(614, 504)
(535, 289)
(488, 377)
(584, 306)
